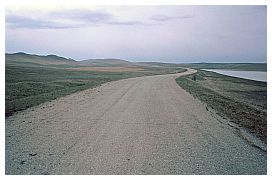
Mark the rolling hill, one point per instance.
(24, 58)
(157, 64)
(106, 63)
(53, 60)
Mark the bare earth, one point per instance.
(144, 125)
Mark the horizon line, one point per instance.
(152, 61)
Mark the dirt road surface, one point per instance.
(144, 125)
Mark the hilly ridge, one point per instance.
(24, 58)
(54, 60)
(37, 59)
(106, 62)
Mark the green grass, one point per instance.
(242, 101)
(29, 84)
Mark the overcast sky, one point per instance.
(140, 33)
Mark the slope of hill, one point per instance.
(106, 63)
(157, 64)
(23, 58)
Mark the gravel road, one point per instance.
(144, 125)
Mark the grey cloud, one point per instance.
(76, 19)
(128, 23)
(83, 15)
(16, 21)
(160, 17)
(95, 17)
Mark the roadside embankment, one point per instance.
(242, 101)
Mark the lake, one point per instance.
(252, 75)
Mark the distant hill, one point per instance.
(230, 66)
(106, 63)
(31, 59)
(36, 59)
(24, 58)
(157, 64)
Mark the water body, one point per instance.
(252, 75)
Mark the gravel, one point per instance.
(143, 125)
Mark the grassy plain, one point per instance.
(244, 102)
(28, 83)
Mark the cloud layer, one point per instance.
(141, 33)
(78, 18)
(161, 17)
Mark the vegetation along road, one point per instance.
(142, 125)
